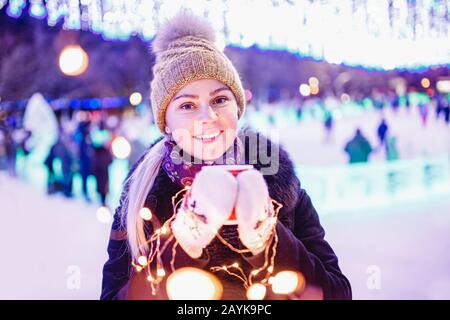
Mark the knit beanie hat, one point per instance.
(185, 52)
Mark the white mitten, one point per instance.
(207, 206)
(253, 211)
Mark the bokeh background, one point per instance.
(357, 91)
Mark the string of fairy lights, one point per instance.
(288, 283)
(382, 34)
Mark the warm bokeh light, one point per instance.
(304, 90)
(163, 230)
(314, 90)
(256, 291)
(286, 282)
(103, 215)
(425, 82)
(146, 214)
(135, 98)
(121, 148)
(443, 85)
(160, 272)
(73, 60)
(313, 82)
(193, 284)
(142, 260)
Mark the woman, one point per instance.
(197, 99)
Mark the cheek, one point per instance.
(179, 125)
(182, 136)
(229, 118)
(175, 121)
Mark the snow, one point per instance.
(48, 241)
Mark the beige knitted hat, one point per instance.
(185, 52)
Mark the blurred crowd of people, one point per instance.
(84, 141)
(83, 146)
(330, 108)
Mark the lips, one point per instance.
(208, 137)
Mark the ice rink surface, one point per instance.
(54, 248)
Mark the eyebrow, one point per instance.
(193, 96)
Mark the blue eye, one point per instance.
(221, 100)
(187, 106)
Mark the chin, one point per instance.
(209, 152)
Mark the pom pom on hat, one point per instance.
(185, 23)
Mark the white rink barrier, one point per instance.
(366, 185)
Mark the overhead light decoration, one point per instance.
(73, 60)
(383, 34)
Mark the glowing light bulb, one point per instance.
(73, 60)
(160, 272)
(142, 260)
(121, 148)
(256, 291)
(103, 215)
(145, 214)
(163, 230)
(180, 283)
(286, 282)
(235, 265)
(138, 268)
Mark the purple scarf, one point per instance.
(182, 167)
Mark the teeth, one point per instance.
(208, 136)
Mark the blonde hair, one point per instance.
(140, 183)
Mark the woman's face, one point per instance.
(202, 118)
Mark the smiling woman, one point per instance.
(197, 99)
(202, 119)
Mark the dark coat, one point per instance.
(301, 244)
(100, 167)
(358, 149)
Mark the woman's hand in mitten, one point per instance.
(207, 206)
(252, 210)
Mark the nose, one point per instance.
(208, 114)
